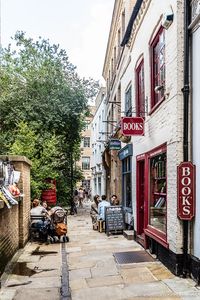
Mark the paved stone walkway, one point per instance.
(93, 272)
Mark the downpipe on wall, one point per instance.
(186, 92)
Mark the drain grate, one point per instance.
(132, 257)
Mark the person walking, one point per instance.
(74, 204)
(80, 197)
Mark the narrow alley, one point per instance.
(88, 268)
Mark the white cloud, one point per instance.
(79, 26)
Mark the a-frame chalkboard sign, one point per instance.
(114, 219)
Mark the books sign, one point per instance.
(132, 126)
(186, 190)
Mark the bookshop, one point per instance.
(152, 195)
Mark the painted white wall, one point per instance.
(97, 138)
(196, 135)
(165, 124)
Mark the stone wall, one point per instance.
(14, 222)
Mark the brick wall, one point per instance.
(14, 222)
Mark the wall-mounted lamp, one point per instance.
(167, 19)
(158, 89)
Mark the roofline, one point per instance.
(110, 35)
(130, 23)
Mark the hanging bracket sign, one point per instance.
(186, 173)
(132, 126)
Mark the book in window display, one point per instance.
(158, 192)
(160, 202)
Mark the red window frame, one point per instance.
(157, 50)
(140, 90)
(149, 230)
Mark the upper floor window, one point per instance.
(85, 163)
(123, 23)
(86, 142)
(158, 67)
(87, 125)
(118, 43)
(140, 93)
(115, 58)
(128, 102)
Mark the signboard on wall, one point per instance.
(114, 144)
(132, 126)
(186, 174)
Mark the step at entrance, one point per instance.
(128, 234)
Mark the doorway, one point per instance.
(141, 202)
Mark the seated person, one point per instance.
(45, 205)
(94, 211)
(114, 200)
(37, 210)
(102, 207)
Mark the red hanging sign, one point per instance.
(186, 173)
(132, 126)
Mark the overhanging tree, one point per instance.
(40, 89)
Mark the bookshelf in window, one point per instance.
(158, 191)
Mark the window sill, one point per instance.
(156, 106)
(157, 235)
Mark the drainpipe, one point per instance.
(185, 91)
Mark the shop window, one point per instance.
(140, 96)
(158, 196)
(126, 177)
(158, 68)
(128, 102)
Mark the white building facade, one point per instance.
(155, 76)
(146, 76)
(98, 127)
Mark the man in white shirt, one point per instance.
(102, 207)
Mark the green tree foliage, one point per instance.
(43, 106)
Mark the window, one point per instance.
(86, 142)
(112, 68)
(140, 95)
(158, 196)
(126, 179)
(158, 67)
(128, 102)
(85, 163)
(87, 125)
(123, 23)
(118, 44)
(115, 58)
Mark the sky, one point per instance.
(81, 27)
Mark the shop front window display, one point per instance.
(158, 196)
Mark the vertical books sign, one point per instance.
(186, 174)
